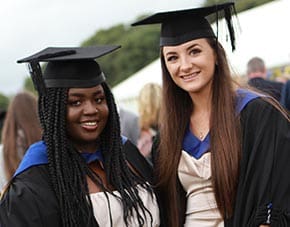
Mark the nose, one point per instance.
(90, 108)
(185, 64)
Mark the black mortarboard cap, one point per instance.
(67, 66)
(183, 25)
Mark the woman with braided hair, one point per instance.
(83, 172)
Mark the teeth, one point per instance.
(90, 123)
(189, 76)
(186, 77)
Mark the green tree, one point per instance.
(28, 85)
(4, 101)
(139, 48)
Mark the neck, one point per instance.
(202, 100)
(200, 116)
(87, 147)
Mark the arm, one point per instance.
(263, 193)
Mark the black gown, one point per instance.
(31, 202)
(263, 192)
(264, 182)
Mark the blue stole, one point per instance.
(37, 155)
(196, 148)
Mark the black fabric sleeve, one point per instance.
(263, 195)
(29, 201)
(138, 161)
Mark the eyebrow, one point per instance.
(187, 48)
(193, 45)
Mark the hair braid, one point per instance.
(117, 171)
(66, 167)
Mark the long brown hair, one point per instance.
(21, 121)
(225, 154)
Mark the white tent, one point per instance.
(127, 91)
(263, 32)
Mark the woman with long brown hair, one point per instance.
(223, 153)
(149, 103)
(21, 128)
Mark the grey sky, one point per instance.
(27, 26)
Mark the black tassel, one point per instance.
(228, 17)
(36, 75)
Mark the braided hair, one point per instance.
(68, 170)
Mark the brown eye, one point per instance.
(100, 100)
(195, 51)
(74, 103)
(171, 58)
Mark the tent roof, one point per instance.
(130, 87)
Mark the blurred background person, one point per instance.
(2, 174)
(2, 117)
(285, 95)
(149, 101)
(257, 78)
(129, 123)
(21, 128)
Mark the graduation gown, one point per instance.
(263, 194)
(30, 200)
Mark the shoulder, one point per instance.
(32, 182)
(254, 81)
(29, 199)
(261, 116)
(260, 106)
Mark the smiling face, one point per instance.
(87, 115)
(191, 65)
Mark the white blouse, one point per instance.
(195, 177)
(102, 211)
